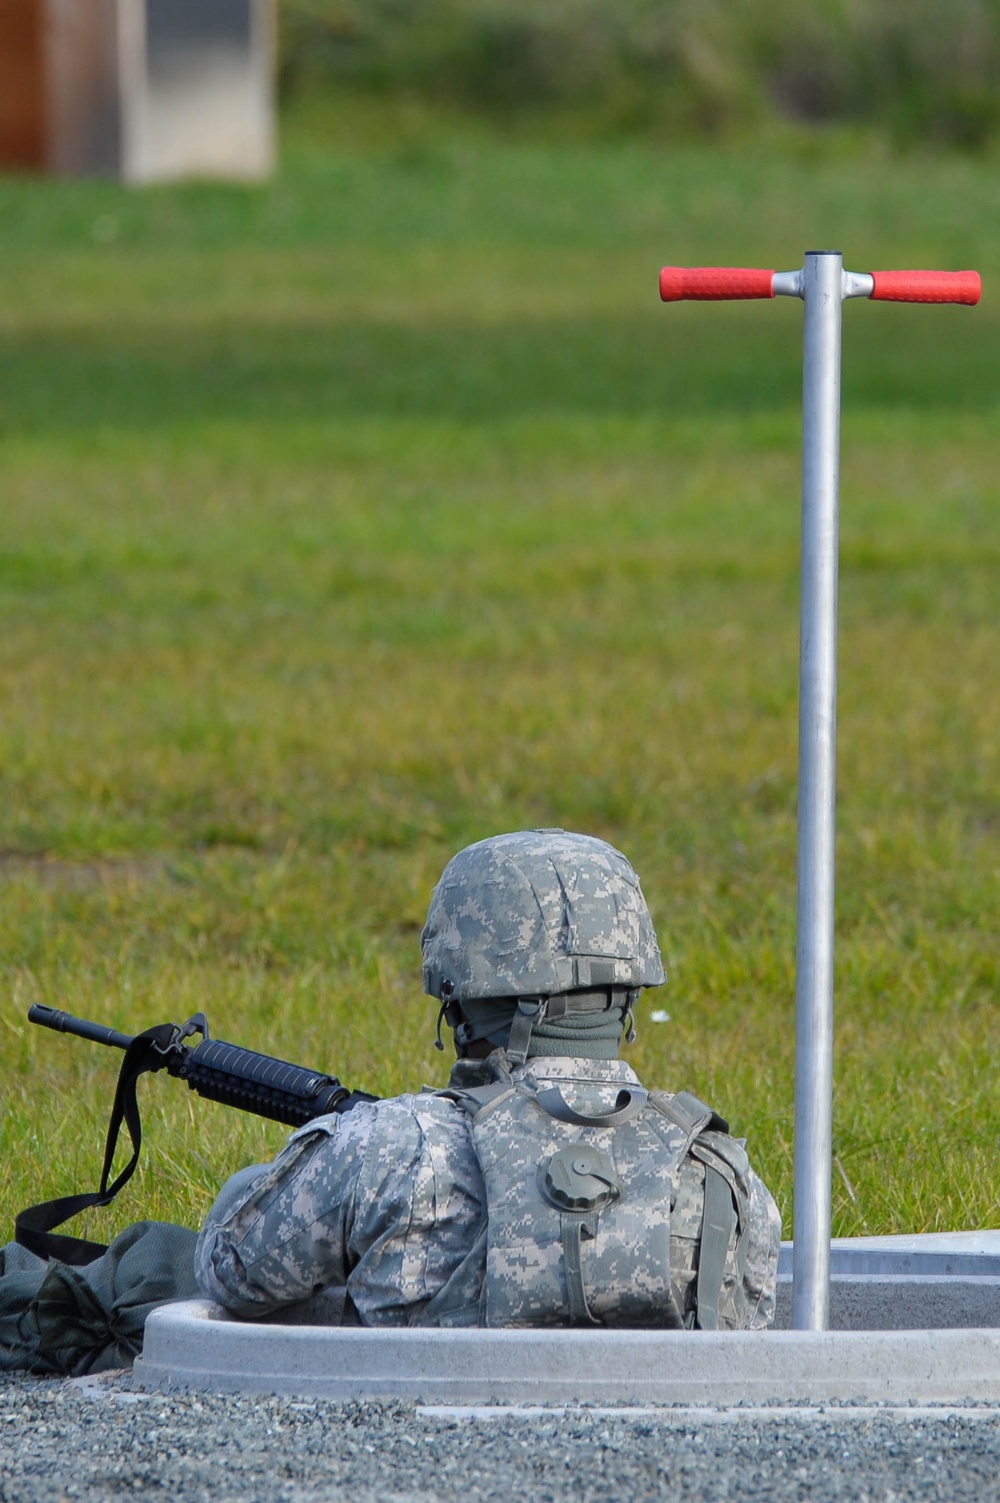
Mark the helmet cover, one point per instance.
(536, 913)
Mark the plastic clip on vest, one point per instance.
(822, 284)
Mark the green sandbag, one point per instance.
(71, 1321)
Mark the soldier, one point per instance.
(544, 1185)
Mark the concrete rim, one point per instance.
(196, 1344)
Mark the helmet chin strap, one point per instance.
(450, 1013)
(530, 1010)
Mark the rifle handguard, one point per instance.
(257, 1083)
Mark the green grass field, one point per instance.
(383, 508)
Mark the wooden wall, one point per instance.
(23, 103)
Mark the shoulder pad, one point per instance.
(688, 1111)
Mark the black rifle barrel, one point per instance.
(64, 1022)
(227, 1073)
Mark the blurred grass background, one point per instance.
(383, 508)
(916, 70)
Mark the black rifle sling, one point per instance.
(33, 1228)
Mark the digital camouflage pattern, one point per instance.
(380, 1207)
(535, 913)
(633, 1259)
(385, 1209)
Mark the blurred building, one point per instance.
(145, 90)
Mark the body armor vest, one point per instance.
(579, 1209)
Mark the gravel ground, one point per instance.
(96, 1439)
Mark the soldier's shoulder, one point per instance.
(428, 1108)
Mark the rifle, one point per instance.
(219, 1071)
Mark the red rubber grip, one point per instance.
(927, 287)
(713, 284)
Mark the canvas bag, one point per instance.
(60, 1318)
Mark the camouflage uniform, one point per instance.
(545, 1186)
(385, 1209)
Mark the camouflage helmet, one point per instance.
(534, 914)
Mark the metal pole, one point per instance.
(822, 291)
(822, 284)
